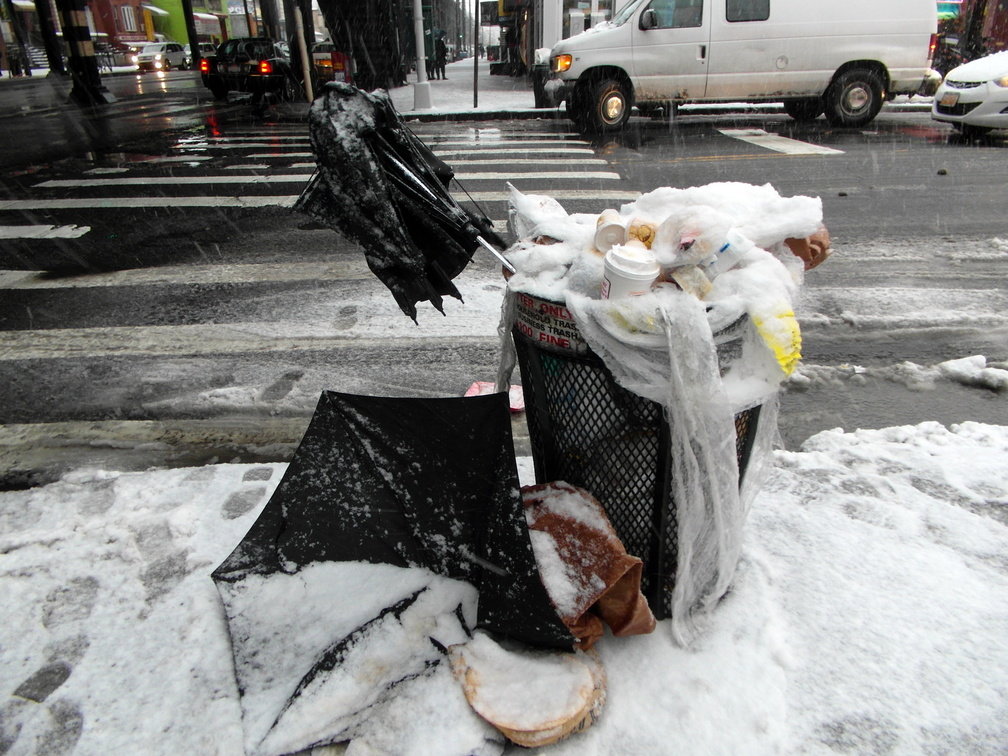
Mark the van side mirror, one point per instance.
(649, 19)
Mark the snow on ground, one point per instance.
(869, 614)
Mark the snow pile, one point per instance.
(727, 275)
(869, 614)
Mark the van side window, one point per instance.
(677, 14)
(748, 10)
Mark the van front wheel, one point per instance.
(804, 108)
(610, 106)
(854, 99)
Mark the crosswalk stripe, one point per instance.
(274, 178)
(225, 338)
(777, 143)
(561, 195)
(43, 232)
(298, 178)
(276, 155)
(119, 203)
(527, 151)
(195, 141)
(192, 274)
(516, 175)
(503, 142)
(510, 161)
(199, 146)
(253, 201)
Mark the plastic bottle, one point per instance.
(729, 255)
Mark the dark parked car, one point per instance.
(258, 65)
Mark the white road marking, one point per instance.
(224, 338)
(510, 161)
(43, 232)
(177, 159)
(601, 195)
(275, 155)
(276, 178)
(764, 139)
(118, 203)
(252, 201)
(192, 275)
(196, 146)
(505, 142)
(515, 175)
(526, 151)
(196, 141)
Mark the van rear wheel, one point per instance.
(804, 108)
(610, 106)
(854, 98)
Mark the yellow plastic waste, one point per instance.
(779, 329)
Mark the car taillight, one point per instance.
(933, 47)
(265, 67)
(204, 65)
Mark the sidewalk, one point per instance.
(452, 98)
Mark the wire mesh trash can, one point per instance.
(587, 430)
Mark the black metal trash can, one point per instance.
(540, 75)
(587, 430)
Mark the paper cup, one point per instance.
(609, 231)
(630, 269)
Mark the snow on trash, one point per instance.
(657, 289)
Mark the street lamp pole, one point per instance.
(421, 90)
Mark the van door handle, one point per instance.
(703, 53)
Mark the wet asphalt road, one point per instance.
(197, 318)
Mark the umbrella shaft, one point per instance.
(493, 250)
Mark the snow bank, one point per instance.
(869, 614)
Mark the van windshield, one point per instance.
(625, 12)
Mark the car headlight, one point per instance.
(562, 62)
(1002, 82)
(157, 57)
(135, 58)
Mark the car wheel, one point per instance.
(167, 66)
(854, 98)
(610, 106)
(219, 92)
(804, 108)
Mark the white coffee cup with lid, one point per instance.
(630, 270)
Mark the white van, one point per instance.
(838, 57)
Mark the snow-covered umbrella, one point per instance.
(391, 484)
(379, 185)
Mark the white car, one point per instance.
(161, 56)
(974, 96)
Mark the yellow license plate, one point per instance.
(949, 99)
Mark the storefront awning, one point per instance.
(206, 17)
(24, 4)
(155, 10)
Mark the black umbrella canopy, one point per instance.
(380, 186)
(426, 483)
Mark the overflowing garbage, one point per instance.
(685, 295)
